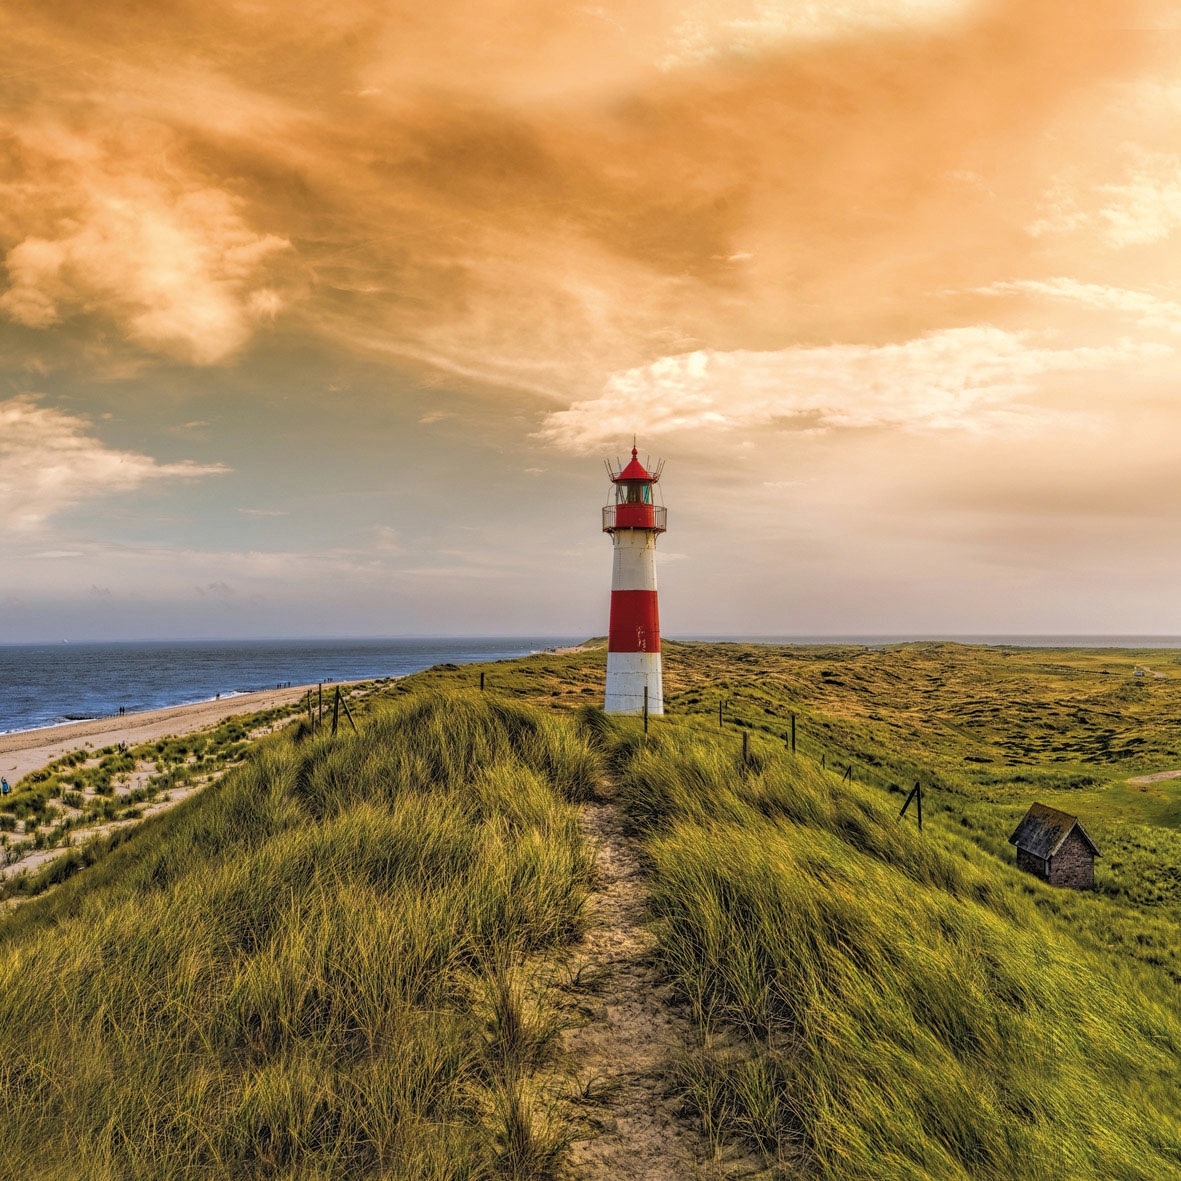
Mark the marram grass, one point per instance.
(313, 970)
(876, 1004)
(294, 974)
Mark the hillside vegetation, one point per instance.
(987, 730)
(308, 969)
(878, 1004)
(333, 963)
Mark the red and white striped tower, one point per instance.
(633, 639)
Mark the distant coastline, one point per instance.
(43, 685)
(999, 641)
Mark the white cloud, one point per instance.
(169, 258)
(1060, 213)
(49, 460)
(708, 30)
(386, 540)
(175, 574)
(215, 590)
(966, 379)
(1150, 311)
(1147, 207)
(1143, 208)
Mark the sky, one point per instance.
(320, 318)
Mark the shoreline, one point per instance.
(98, 718)
(24, 751)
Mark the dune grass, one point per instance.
(873, 1003)
(331, 963)
(75, 801)
(878, 1004)
(312, 969)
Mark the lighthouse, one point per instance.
(634, 522)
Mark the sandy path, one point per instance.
(30, 750)
(1157, 778)
(634, 1030)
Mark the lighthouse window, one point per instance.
(635, 494)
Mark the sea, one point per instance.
(47, 684)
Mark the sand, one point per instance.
(635, 1031)
(29, 750)
(1157, 778)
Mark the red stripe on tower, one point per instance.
(634, 521)
(635, 622)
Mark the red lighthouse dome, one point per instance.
(634, 507)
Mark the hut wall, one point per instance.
(1031, 864)
(1073, 865)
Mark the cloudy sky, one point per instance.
(319, 318)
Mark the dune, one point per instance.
(29, 750)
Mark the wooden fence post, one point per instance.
(348, 713)
(916, 794)
(335, 711)
(645, 709)
(746, 746)
(793, 734)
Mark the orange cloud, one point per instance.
(966, 379)
(539, 197)
(162, 254)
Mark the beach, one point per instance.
(28, 750)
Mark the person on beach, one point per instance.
(4, 788)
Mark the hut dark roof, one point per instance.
(1043, 830)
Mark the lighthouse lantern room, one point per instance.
(634, 521)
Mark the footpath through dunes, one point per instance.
(627, 1049)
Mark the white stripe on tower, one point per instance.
(627, 674)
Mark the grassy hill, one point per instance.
(333, 962)
(308, 970)
(878, 1004)
(986, 730)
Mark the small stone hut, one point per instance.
(1055, 847)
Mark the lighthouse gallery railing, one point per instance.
(635, 516)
